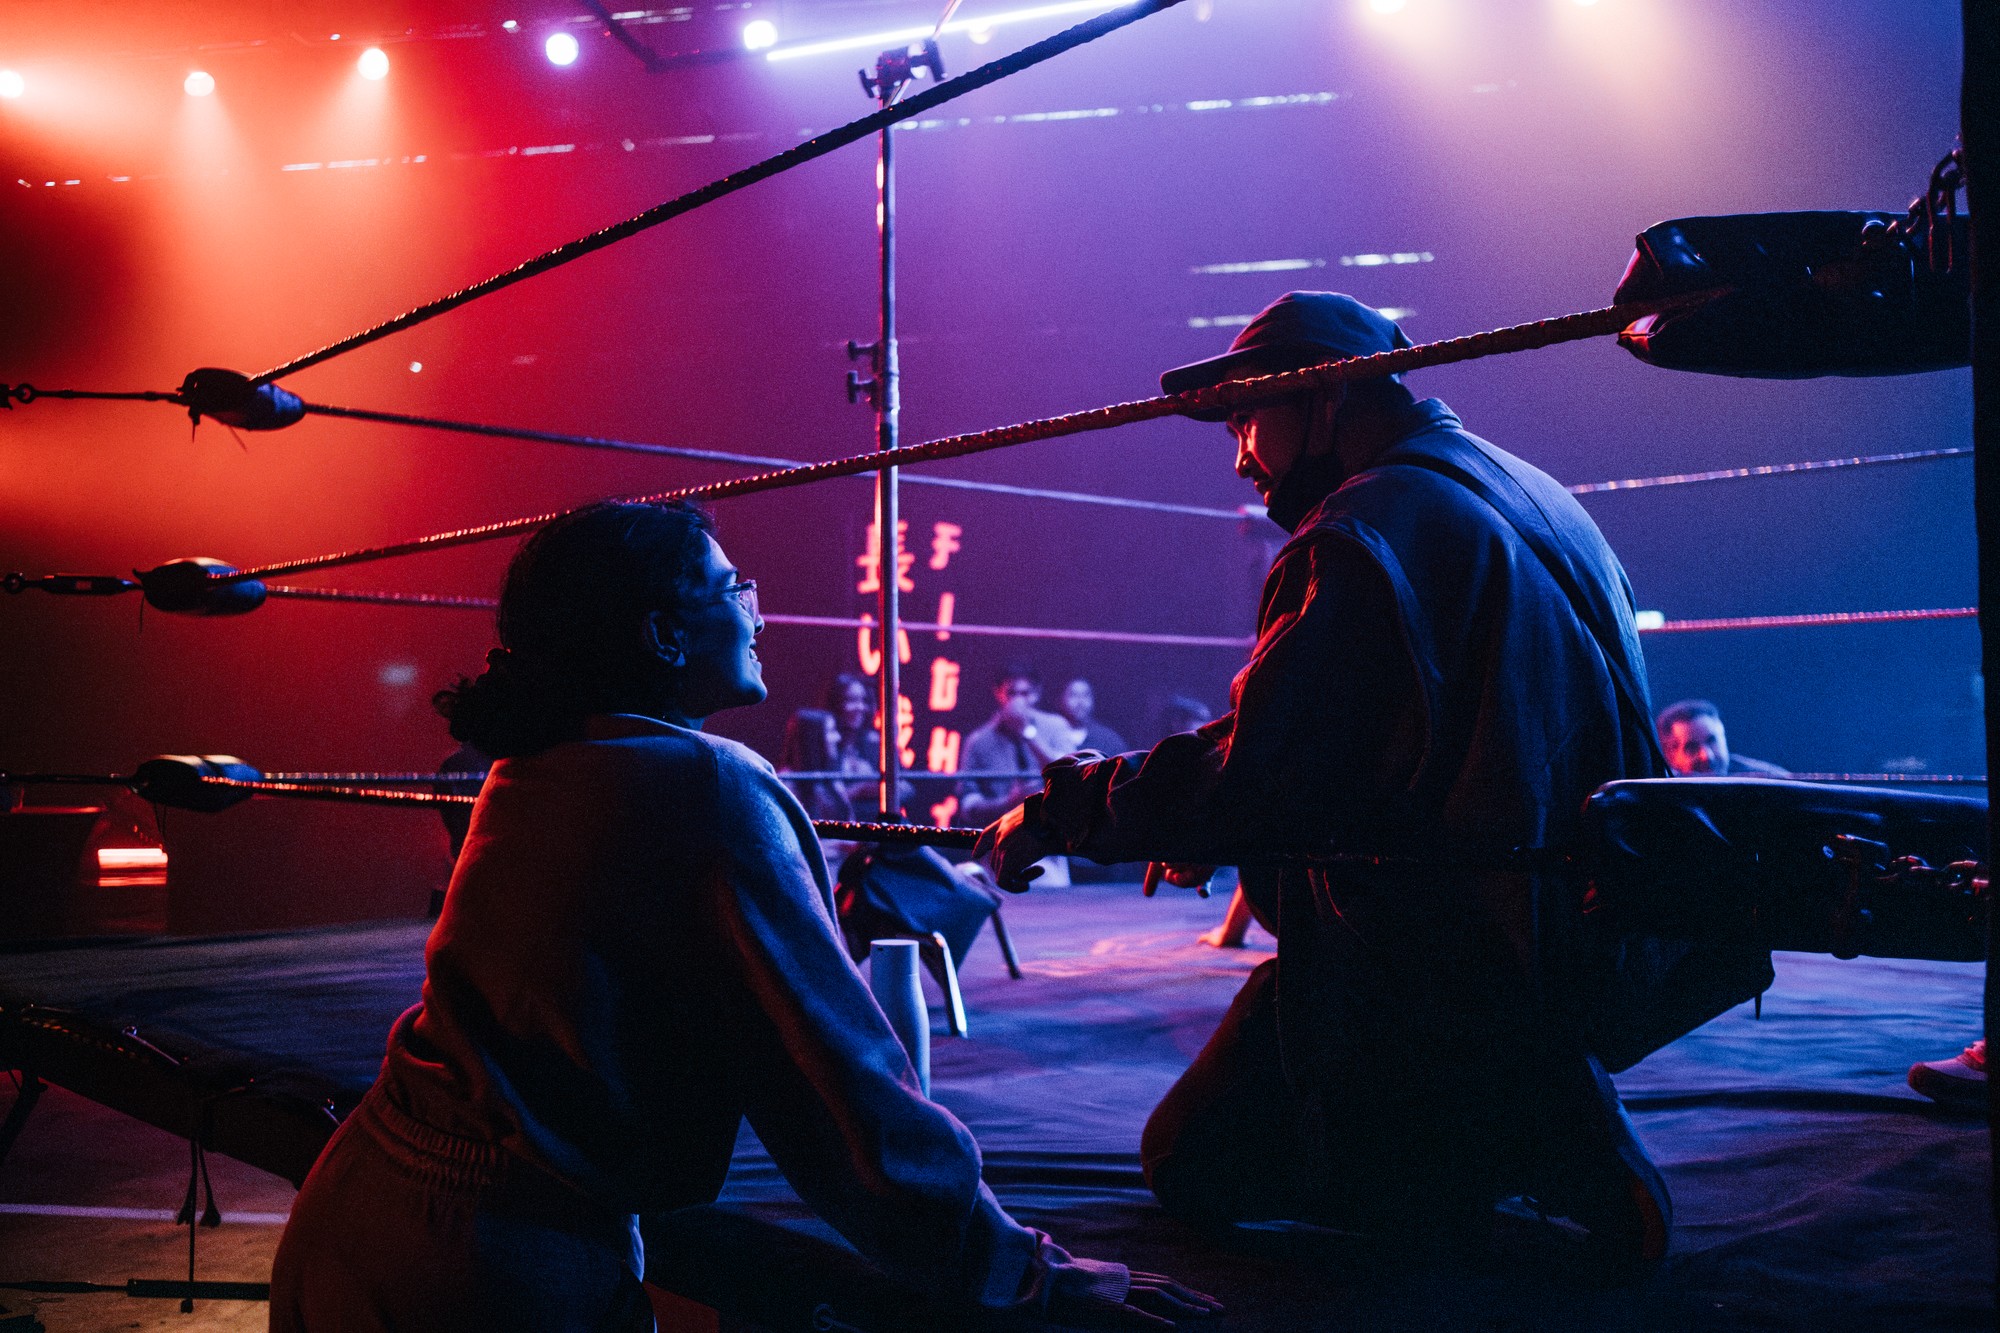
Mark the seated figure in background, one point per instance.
(1181, 713)
(1692, 736)
(1019, 738)
(857, 739)
(812, 745)
(1079, 709)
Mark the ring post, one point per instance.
(894, 71)
(1979, 123)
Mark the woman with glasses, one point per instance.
(636, 952)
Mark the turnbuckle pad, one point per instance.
(1806, 866)
(191, 588)
(179, 780)
(230, 397)
(1810, 294)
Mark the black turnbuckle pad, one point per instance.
(230, 397)
(1811, 294)
(182, 781)
(192, 587)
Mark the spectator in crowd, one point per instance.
(858, 739)
(1019, 738)
(1181, 713)
(1079, 709)
(1692, 736)
(812, 745)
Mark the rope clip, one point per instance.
(898, 66)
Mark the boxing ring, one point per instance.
(1813, 1189)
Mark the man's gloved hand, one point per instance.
(1015, 845)
(1180, 874)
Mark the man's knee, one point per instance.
(1215, 1149)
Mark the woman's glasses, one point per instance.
(745, 593)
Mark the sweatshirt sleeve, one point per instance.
(1328, 728)
(830, 1092)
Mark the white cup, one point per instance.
(892, 975)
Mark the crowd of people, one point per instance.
(831, 757)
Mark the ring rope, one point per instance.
(928, 835)
(1027, 632)
(1812, 618)
(819, 146)
(1879, 779)
(851, 830)
(443, 600)
(16, 583)
(472, 777)
(27, 393)
(357, 786)
(1688, 626)
(24, 394)
(1225, 396)
(845, 829)
(751, 460)
(779, 618)
(1204, 511)
(1767, 470)
(960, 839)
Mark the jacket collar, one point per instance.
(1311, 480)
(622, 726)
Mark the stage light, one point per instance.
(199, 84)
(1387, 6)
(374, 63)
(511, 25)
(12, 84)
(760, 33)
(416, 367)
(981, 35)
(561, 48)
(984, 23)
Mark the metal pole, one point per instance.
(888, 497)
(1979, 111)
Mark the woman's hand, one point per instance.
(1154, 1301)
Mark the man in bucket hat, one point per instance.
(1446, 667)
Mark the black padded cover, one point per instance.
(1752, 859)
(1808, 299)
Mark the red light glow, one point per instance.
(131, 858)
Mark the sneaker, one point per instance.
(1959, 1082)
(1607, 1204)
